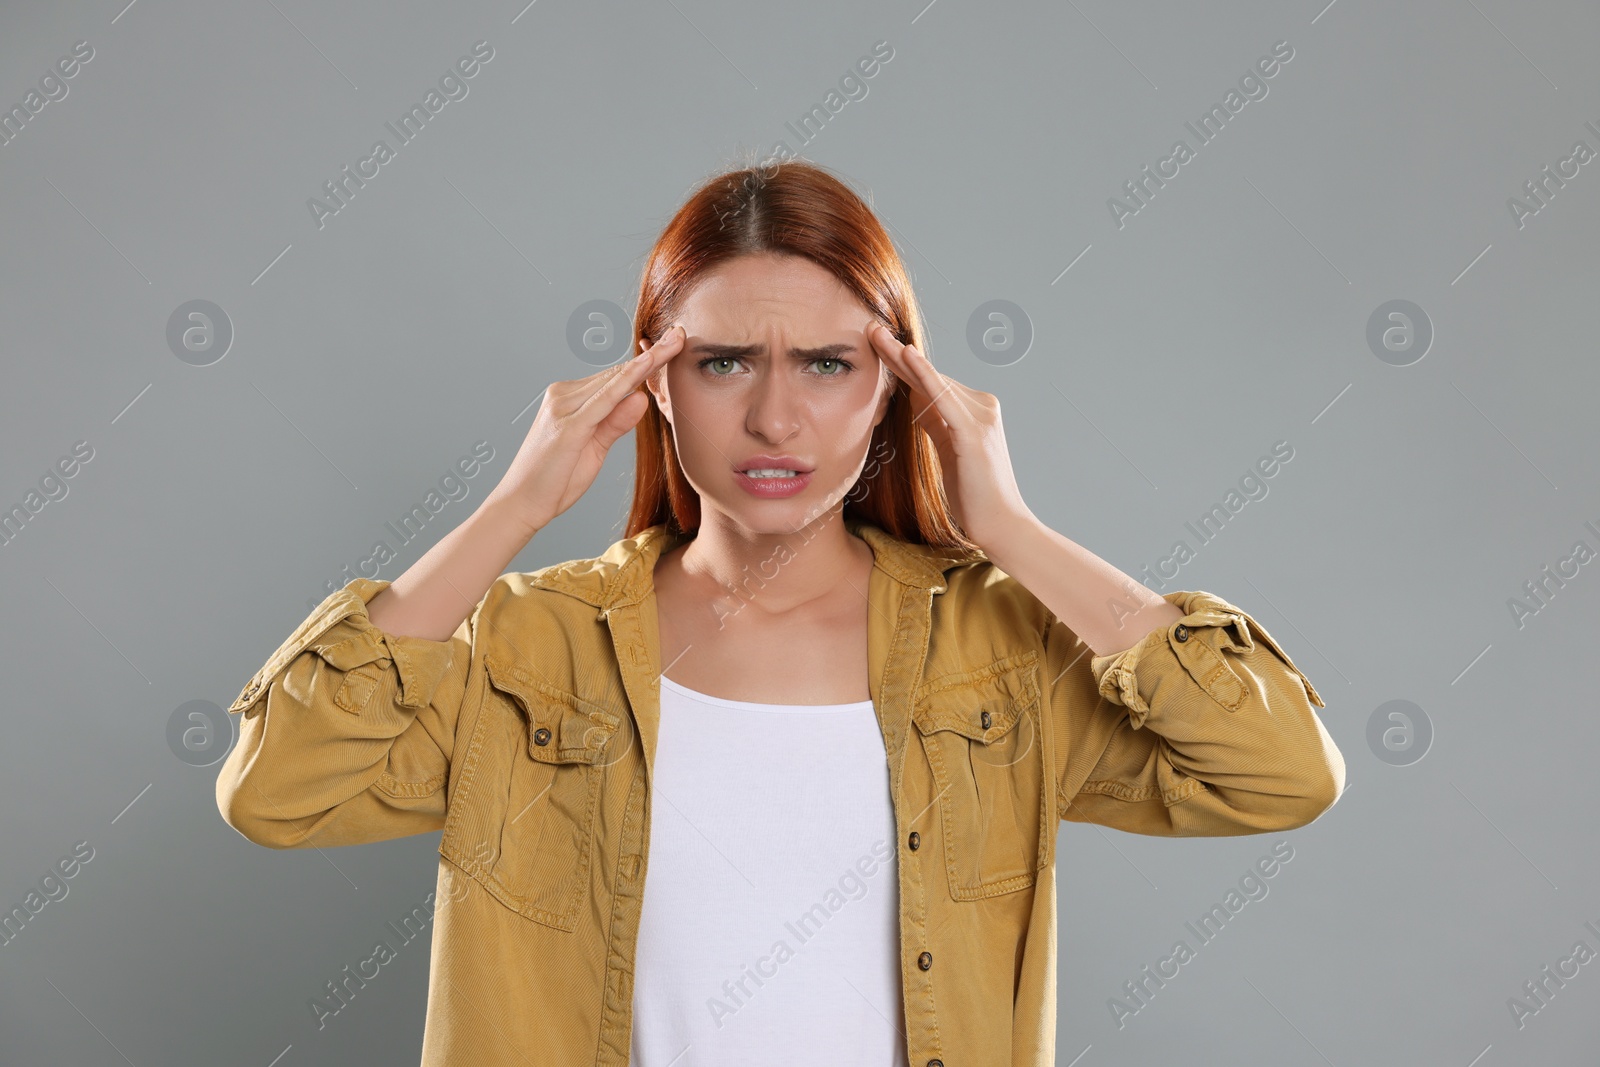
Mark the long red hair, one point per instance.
(795, 207)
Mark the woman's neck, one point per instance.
(779, 571)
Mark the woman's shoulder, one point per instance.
(980, 585)
(622, 573)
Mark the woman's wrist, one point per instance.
(505, 513)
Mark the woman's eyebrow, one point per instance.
(722, 351)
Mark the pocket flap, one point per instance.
(347, 647)
(981, 705)
(1240, 632)
(343, 644)
(562, 727)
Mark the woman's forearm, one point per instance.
(432, 597)
(1103, 606)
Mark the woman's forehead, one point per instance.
(771, 284)
(792, 316)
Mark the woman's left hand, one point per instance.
(966, 431)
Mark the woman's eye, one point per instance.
(832, 368)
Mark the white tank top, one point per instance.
(769, 931)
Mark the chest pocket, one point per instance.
(981, 733)
(523, 822)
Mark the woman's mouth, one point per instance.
(771, 482)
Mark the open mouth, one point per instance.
(771, 482)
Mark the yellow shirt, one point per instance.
(528, 738)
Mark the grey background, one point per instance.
(1228, 314)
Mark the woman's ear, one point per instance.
(657, 384)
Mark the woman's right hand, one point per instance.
(577, 423)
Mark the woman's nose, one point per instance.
(772, 412)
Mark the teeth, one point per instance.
(769, 472)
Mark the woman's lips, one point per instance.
(773, 488)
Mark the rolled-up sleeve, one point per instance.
(1205, 727)
(346, 732)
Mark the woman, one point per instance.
(862, 679)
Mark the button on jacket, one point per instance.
(528, 739)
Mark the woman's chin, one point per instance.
(782, 515)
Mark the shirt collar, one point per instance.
(625, 573)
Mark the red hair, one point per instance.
(791, 207)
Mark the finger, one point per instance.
(936, 403)
(622, 418)
(666, 335)
(890, 350)
(626, 376)
(605, 374)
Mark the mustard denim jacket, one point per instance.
(528, 738)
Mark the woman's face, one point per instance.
(775, 362)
